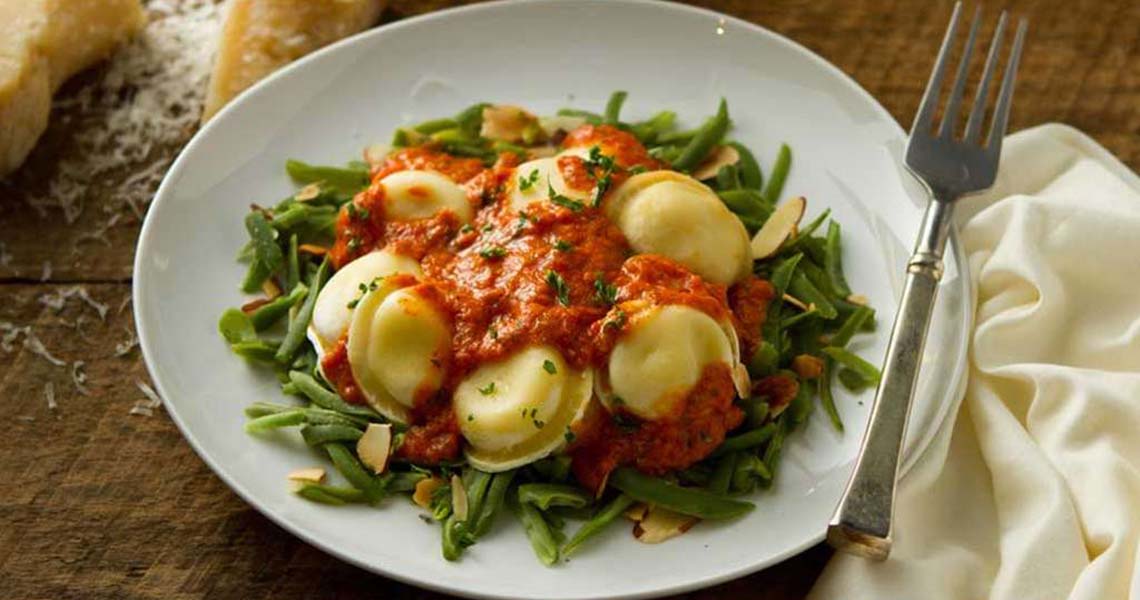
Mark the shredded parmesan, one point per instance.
(146, 407)
(148, 101)
(123, 305)
(56, 301)
(125, 347)
(49, 394)
(79, 378)
(32, 344)
(46, 274)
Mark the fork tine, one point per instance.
(978, 112)
(922, 120)
(1005, 97)
(950, 116)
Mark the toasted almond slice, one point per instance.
(796, 302)
(458, 498)
(375, 154)
(313, 249)
(271, 289)
(719, 157)
(778, 228)
(424, 489)
(308, 192)
(541, 152)
(859, 299)
(300, 477)
(807, 366)
(375, 446)
(253, 305)
(507, 123)
(636, 512)
(661, 524)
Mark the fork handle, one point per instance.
(861, 524)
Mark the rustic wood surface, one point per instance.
(101, 503)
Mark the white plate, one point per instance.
(542, 55)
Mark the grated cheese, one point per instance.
(46, 274)
(146, 408)
(79, 378)
(148, 100)
(49, 394)
(57, 300)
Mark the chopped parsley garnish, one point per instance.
(493, 252)
(635, 169)
(549, 367)
(488, 227)
(561, 200)
(561, 290)
(615, 322)
(467, 228)
(625, 423)
(493, 332)
(602, 168)
(470, 416)
(357, 213)
(525, 183)
(488, 389)
(353, 244)
(539, 424)
(523, 220)
(569, 435)
(562, 246)
(364, 289)
(606, 293)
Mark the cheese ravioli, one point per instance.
(332, 311)
(414, 195)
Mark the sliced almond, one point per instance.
(778, 228)
(253, 305)
(564, 123)
(375, 446)
(507, 123)
(313, 249)
(807, 366)
(458, 498)
(719, 157)
(424, 490)
(796, 302)
(271, 289)
(300, 477)
(541, 152)
(859, 299)
(636, 512)
(661, 524)
(375, 154)
(308, 192)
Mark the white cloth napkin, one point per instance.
(1033, 492)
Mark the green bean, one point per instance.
(810, 229)
(470, 119)
(328, 494)
(755, 412)
(722, 476)
(327, 399)
(267, 256)
(727, 178)
(350, 468)
(597, 523)
(801, 406)
(256, 350)
(803, 289)
(292, 265)
(772, 452)
(850, 326)
(261, 409)
(405, 481)
(541, 539)
(677, 138)
(846, 309)
(866, 370)
(751, 176)
(496, 493)
(289, 388)
(746, 203)
(545, 495)
(318, 217)
(613, 107)
(236, 326)
(300, 322)
(554, 468)
(744, 441)
(454, 136)
(648, 131)
(268, 314)
(455, 538)
(793, 320)
(316, 435)
(434, 125)
(711, 134)
(666, 153)
(826, 398)
(833, 262)
(781, 278)
(779, 175)
(501, 146)
(687, 501)
(782, 274)
(290, 418)
(345, 181)
(852, 380)
(592, 118)
(764, 359)
(476, 484)
(748, 469)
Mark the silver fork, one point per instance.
(949, 167)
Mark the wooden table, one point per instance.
(101, 503)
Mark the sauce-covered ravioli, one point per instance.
(518, 410)
(657, 362)
(331, 313)
(534, 179)
(674, 215)
(396, 348)
(412, 195)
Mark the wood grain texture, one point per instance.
(99, 503)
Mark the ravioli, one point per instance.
(659, 360)
(676, 216)
(518, 410)
(331, 313)
(397, 347)
(414, 195)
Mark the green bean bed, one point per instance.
(811, 322)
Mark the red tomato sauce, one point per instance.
(546, 276)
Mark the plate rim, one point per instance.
(921, 446)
